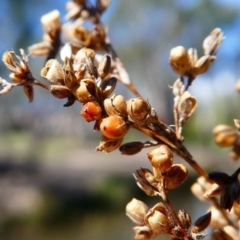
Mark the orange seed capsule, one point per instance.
(114, 127)
(91, 111)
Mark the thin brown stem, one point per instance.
(176, 146)
(124, 77)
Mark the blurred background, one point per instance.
(53, 185)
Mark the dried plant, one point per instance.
(88, 73)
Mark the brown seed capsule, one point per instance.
(116, 105)
(180, 60)
(86, 91)
(213, 191)
(131, 148)
(177, 174)
(201, 223)
(138, 110)
(53, 72)
(161, 158)
(184, 218)
(107, 86)
(91, 111)
(83, 53)
(70, 80)
(51, 21)
(114, 127)
(202, 64)
(199, 188)
(212, 42)
(143, 233)
(224, 135)
(108, 145)
(157, 219)
(104, 66)
(60, 91)
(186, 106)
(146, 181)
(136, 210)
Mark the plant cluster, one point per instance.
(84, 68)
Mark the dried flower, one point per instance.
(51, 38)
(212, 42)
(108, 145)
(177, 174)
(157, 219)
(201, 223)
(116, 105)
(136, 210)
(184, 218)
(147, 182)
(53, 72)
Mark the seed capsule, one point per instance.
(116, 105)
(86, 91)
(104, 66)
(136, 210)
(161, 158)
(138, 109)
(224, 135)
(107, 87)
(176, 176)
(60, 91)
(184, 218)
(201, 223)
(180, 60)
(53, 72)
(157, 219)
(91, 111)
(108, 145)
(114, 127)
(202, 64)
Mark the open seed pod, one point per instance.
(116, 105)
(70, 79)
(225, 135)
(186, 106)
(53, 72)
(177, 174)
(104, 66)
(86, 92)
(107, 86)
(202, 64)
(136, 210)
(60, 91)
(108, 145)
(138, 110)
(157, 219)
